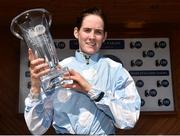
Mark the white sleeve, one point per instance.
(38, 113)
(122, 103)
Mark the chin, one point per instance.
(91, 52)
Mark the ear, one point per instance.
(105, 36)
(76, 35)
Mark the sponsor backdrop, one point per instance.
(147, 60)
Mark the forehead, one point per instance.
(93, 21)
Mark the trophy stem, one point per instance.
(54, 79)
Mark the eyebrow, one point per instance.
(99, 29)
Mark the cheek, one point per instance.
(99, 40)
(84, 37)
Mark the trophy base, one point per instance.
(54, 79)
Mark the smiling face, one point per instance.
(91, 34)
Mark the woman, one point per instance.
(102, 96)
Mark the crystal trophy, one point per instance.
(32, 26)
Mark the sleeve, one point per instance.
(122, 103)
(38, 112)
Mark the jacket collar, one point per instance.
(85, 58)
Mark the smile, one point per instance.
(91, 44)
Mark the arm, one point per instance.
(38, 106)
(122, 102)
(38, 113)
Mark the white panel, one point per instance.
(126, 55)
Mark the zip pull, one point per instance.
(87, 59)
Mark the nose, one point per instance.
(92, 35)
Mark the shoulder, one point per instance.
(66, 61)
(116, 67)
(111, 63)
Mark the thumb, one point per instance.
(31, 55)
(72, 72)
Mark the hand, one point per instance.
(38, 68)
(79, 83)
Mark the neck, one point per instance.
(85, 54)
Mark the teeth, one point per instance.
(91, 44)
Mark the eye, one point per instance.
(87, 30)
(99, 32)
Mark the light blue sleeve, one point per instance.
(122, 103)
(38, 113)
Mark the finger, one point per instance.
(72, 75)
(31, 55)
(39, 74)
(68, 77)
(41, 67)
(72, 86)
(44, 72)
(67, 85)
(58, 67)
(36, 62)
(72, 72)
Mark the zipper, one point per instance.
(87, 59)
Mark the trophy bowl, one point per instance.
(32, 26)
